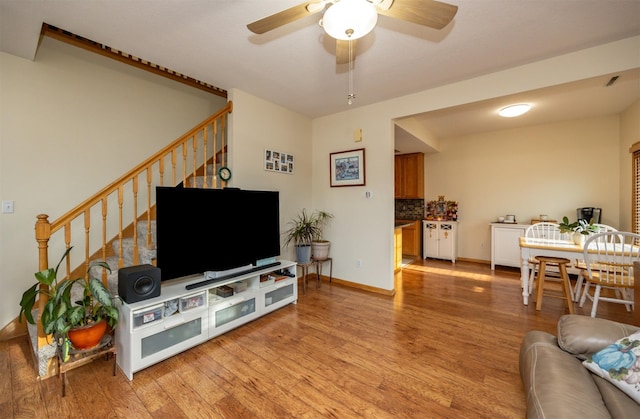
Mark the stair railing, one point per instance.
(187, 158)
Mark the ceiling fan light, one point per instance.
(349, 19)
(514, 110)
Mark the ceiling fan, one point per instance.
(348, 20)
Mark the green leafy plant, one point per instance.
(322, 218)
(306, 227)
(580, 226)
(59, 314)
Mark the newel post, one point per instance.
(43, 233)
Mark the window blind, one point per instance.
(635, 150)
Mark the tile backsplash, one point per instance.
(409, 209)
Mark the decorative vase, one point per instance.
(303, 253)
(86, 337)
(578, 238)
(320, 249)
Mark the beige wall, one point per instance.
(71, 122)
(257, 125)
(363, 228)
(548, 169)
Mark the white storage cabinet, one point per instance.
(505, 244)
(153, 330)
(440, 239)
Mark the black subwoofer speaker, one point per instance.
(137, 283)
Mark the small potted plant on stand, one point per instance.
(84, 323)
(319, 246)
(577, 230)
(304, 228)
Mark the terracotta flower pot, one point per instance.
(87, 337)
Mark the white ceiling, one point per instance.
(294, 66)
(581, 99)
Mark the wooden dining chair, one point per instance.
(543, 230)
(580, 265)
(609, 259)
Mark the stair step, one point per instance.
(142, 228)
(145, 255)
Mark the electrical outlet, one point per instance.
(359, 263)
(7, 207)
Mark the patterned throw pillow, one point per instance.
(619, 363)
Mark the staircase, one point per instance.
(124, 233)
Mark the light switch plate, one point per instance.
(7, 207)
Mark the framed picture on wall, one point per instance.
(277, 161)
(347, 168)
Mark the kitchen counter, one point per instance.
(403, 223)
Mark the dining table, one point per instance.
(531, 247)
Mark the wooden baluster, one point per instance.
(223, 139)
(194, 143)
(215, 154)
(43, 233)
(222, 145)
(173, 167)
(161, 170)
(149, 180)
(184, 164)
(87, 228)
(67, 244)
(136, 257)
(104, 238)
(205, 140)
(120, 201)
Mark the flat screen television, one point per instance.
(200, 230)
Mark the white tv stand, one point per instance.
(146, 336)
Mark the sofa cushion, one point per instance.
(555, 382)
(619, 363)
(583, 335)
(619, 404)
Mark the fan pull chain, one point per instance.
(351, 96)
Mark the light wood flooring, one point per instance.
(445, 346)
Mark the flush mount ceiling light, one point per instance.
(349, 19)
(514, 110)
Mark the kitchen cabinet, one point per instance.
(409, 176)
(440, 239)
(505, 244)
(411, 237)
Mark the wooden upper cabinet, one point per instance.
(409, 176)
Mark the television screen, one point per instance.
(201, 230)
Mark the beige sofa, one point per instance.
(556, 383)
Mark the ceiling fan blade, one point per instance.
(342, 51)
(286, 16)
(431, 13)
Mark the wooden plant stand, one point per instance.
(78, 358)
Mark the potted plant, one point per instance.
(304, 228)
(578, 229)
(319, 246)
(64, 320)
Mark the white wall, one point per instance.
(71, 122)
(363, 229)
(256, 125)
